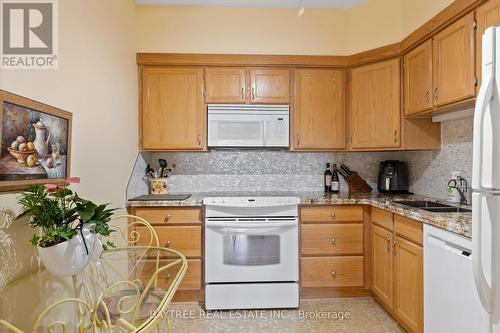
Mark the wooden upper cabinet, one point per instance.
(382, 270)
(225, 85)
(454, 71)
(269, 86)
(408, 284)
(319, 115)
(172, 116)
(375, 105)
(487, 15)
(418, 79)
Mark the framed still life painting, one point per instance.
(35, 142)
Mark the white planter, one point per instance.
(70, 257)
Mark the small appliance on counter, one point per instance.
(393, 177)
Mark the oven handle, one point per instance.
(251, 225)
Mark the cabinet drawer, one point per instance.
(331, 214)
(185, 239)
(169, 215)
(191, 280)
(332, 272)
(408, 228)
(382, 218)
(324, 239)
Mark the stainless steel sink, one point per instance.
(447, 210)
(420, 204)
(432, 206)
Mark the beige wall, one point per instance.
(240, 30)
(417, 12)
(97, 82)
(195, 29)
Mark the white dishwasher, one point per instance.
(451, 302)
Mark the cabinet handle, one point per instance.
(333, 240)
(333, 273)
(394, 246)
(332, 214)
(167, 217)
(395, 136)
(169, 275)
(242, 94)
(167, 244)
(199, 140)
(298, 139)
(253, 92)
(427, 93)
(388, 244)
(435, 93)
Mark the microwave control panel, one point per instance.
(278, 131)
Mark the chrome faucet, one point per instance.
(462, 187)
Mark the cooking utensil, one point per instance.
(150, 172)
(343, 173)
(163, 166)
(346, 169)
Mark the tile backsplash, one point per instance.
(431, 170)
(269, 170)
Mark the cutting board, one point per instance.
(161, 197)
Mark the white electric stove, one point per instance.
(251, 252)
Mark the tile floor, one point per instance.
(353, 315)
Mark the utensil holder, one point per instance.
(158, 185)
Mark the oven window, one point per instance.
(251, 250)
(243, 130)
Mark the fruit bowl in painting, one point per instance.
(21, 156)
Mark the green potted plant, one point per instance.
(68, 226)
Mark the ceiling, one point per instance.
(342, 4)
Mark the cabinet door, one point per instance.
(270, 86)
(382, 265)
(172, 116)
(319, 121)
(408, 284)
(418, 79)
(225, 85)
(487, 15)
(375, 105)
(454, 71)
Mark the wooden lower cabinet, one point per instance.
(397, 271)
(408, 284)
(382, 280)
(167, 216)
(332, 250)
(339, 239)
(178, 228)
(332, 272)
(191, 280)
(185, 239)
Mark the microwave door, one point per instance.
(236, 130)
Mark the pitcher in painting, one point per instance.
(41, 139)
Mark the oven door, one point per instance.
(232, 130)
(251, 252)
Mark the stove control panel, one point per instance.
(251, 201)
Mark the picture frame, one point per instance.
(35, 142)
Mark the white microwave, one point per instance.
(247, 126)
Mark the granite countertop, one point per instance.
(459, 223)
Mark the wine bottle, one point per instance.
(335, 180)
(328, 179)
